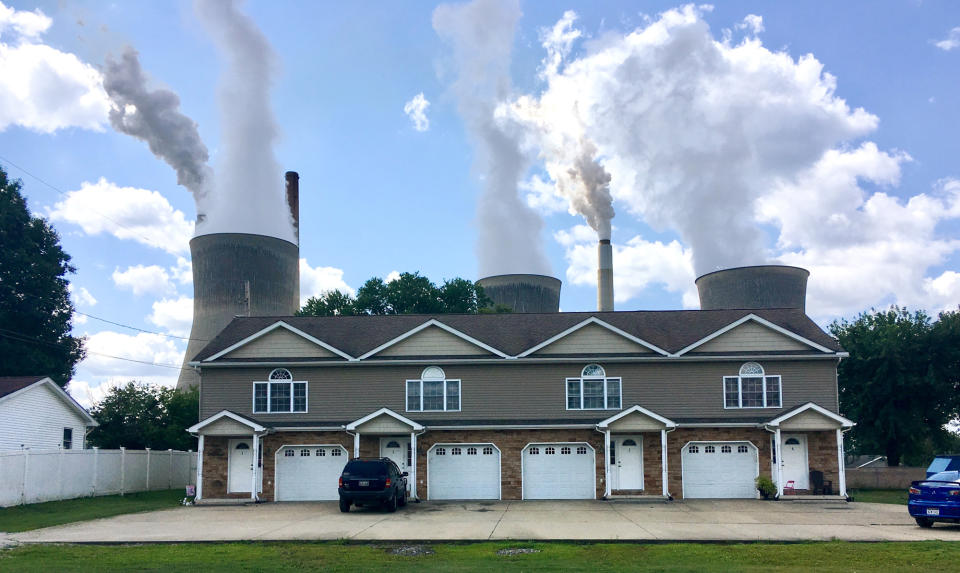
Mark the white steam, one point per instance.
(480, 34)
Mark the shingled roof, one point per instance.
(11, 384)
(671, 330)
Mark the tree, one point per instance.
(35, 307)
(899, 383)
(139, 415)
(410, 293)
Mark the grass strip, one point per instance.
(37, 515)
(895, 496)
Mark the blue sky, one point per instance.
(848, 170)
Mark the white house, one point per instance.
(36, 413)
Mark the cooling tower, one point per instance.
(766, 286)
(239, 274)
(523, 293)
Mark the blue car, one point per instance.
(936, 498)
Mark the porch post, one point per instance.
(663, 461)
(253, 464)
(842, 475)
(413, 465)
(356, 445)
(199, 492)
(606, 463)
(776, 449)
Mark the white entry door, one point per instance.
(398, 450)
(793, 454)
(239, 466)
(559, 471)
(627, 470)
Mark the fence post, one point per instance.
(123, 469)
(96, 469)
(148, 469)
(170, 468)
(60, 474)
(23, 485)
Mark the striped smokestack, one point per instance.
(605, 276)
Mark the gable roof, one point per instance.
(384, 412)
(240, 419)
(843, 422)
(754, 318)
(511, 335)
(11, 386)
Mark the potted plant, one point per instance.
(766, 487)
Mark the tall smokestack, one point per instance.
(293, 200)
(605, 276)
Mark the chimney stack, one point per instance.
(605, 276)
(293, 200)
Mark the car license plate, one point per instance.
(366, 483)
(933, 511)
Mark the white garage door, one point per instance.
(559, 471)
(719, 470)
(463, 471)
(309, 473)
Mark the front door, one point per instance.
(628, 463)
(239, 466)
(398, 450)
(794, 455)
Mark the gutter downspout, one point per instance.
(356, 442)
(413, 465)
(665, 476)
(778, 474)
(606, 461)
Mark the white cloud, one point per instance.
(952, 41)
(182, 272)
(42, 88)
(138, 349)
(392, 276)
(126, 213)
(542, 197)
(88, 393)
(151, 279)
(175, 316)
(81, 296)
(315, 281)
(753, 23)
(416, 110)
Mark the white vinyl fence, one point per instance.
(32, 476)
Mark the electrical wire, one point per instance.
(19, 337)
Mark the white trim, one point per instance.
(271, 328)
(664, 468)
(637, 409)
(606, 397)
(607, 487)
(802, 438)
(199, 491)
(462, 444)
(515, 427)
(276, 458)
(62, 394)
(683, 479)
(842, 471)
(225, 414)
(598, 322)
(844, 422)
(438, 324)
(406, 396)
(352, 426)
(386, 439)
(592, 449)
(758, 320)
(779, 462)
(291, 382)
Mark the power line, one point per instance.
(13, 335)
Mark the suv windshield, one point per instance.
(363, 469)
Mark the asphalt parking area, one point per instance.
(694, 520)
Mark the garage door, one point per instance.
(719, 470)
(559, 471)
(309, 473)
(463, 471)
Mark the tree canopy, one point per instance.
(35, 307)
(901, 383)
(410, 293)
(139, 415)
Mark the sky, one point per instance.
(467, 139)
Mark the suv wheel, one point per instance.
(392, 503)
(403, 499)
(344, 505)
(924, 522)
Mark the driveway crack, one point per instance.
(494, 530)
(625, 516)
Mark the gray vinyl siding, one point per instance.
(511, 390)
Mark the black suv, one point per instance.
(369, 481)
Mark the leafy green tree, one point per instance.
(372, 298)
(139, 415)
(463, 297)
(897, 383)
(332, 303)
(35, 307)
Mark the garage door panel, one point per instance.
(719, 470)
(309, 473)
(559, 471)
(463, 471)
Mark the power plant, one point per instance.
(762, 286)
(523, 293)
(240, 274)
(605, 276)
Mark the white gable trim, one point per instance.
(636, 410)
(271, 328)
(818, 409)
(598, 322)
(442, 326)
(254, 427)
(383, 412)
(761, 321)
(62, 394)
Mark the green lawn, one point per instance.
(896, 496)
(37, 515)
(593, 557)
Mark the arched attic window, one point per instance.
(593, 371)
(751, 369)
(281, 374)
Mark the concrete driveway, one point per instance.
(567, 520)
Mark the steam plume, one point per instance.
(481, 34)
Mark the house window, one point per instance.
(549, 451)
(433, 392)
(471, 451)
(321, 453)
(280, 394)
(693, 450)
(565, 451)
(751, 389)
(454, 451)
(581, 450)
(725, 449)
(593, 390)
(68, 438)
(441, 452)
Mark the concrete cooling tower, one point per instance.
(765, 286)
(239, 274)
(523, 293)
